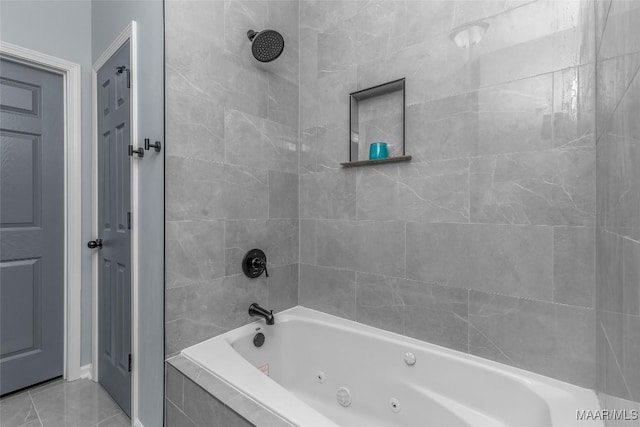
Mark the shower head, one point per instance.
(266, 45)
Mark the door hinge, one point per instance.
(130, 362)
(128, 220)
(121, 70)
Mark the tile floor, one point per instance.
(58, 403)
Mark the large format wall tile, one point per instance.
(189, 192)
(328, 195)
(255, 142)
(445, 128)
(533, 39)
(631, 355)
(434, 69)
(618, 203)
(617, 38)
(192, 406)
(574, 106)
(515, 116)
(198, 312)
(510, 260)
(430, 191)
(499, 133)
(278, 238)
(631, 277)
(552, 187)
(574, 269)
(609, 273)
(609, 366)
(283, 195)
(323, 148)
(194, 252)
(367, 246)
(307, 241)
(204, 190)
(194, 30)
(326, 100)
(613, 403)
(283, 287)
(613, 79)
(428, 19)
(232, 165)
(623, 122)
(199, 126)
(283, 97)
(618, 157)
(436, 314)
(551, 339)
(328, 289)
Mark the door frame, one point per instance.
(128, 34)
(72, 96)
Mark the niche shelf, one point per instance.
(377, 114)
(376, 161)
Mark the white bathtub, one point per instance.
(443, 388)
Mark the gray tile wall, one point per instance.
(188, 405)
(196, 398)
(231, 165)
(618, 204)
(485, 241)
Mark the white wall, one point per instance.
(109, 18)
(62, 29)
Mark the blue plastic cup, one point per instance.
(378, 150)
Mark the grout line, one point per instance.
(469, 321)
(463, 224)
(553, 264)
(594, 298)
(459, 287)
(553, 104)
(299, 158)
(469, 190)
(405, 249)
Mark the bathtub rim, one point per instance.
(583, 398)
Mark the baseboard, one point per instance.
(137, 423)
(86, 372)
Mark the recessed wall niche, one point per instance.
(377, 114)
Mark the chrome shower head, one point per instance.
(266, 45)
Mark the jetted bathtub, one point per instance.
(315, 369)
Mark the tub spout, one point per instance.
(256, 310)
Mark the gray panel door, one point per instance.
(114, 274)
(31, 226)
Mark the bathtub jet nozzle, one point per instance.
(256, 310)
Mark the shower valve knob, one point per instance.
(255, 263)
(260, 264)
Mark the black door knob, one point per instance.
(92, 244)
